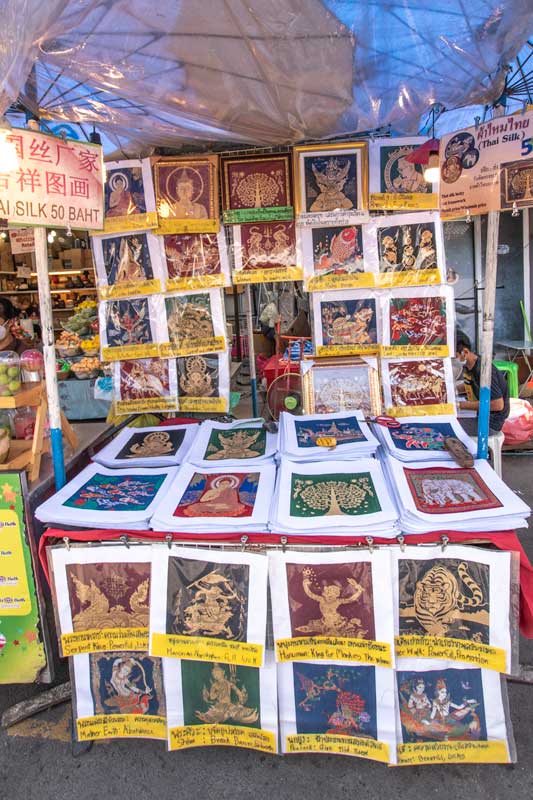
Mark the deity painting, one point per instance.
(186, 189)
(197, 376)
(444, 597)
(338, 250)
(335, 700)
(116, 492)
(417, 321)
(341, 389)
(331, 600)
(128, 322)
(516, 184)
(398, 175)
(268, 245)
(240, 443)
(127, 683)
(190, 255)
(330, 182)
(154, 444)
(124, 192)
(127, 258)
(442, 706)
(189, 317)
(222, 495)
(349, 322)
(109, 595)
(407, 247)
(144, 378)
(220, 694)
(421, 436)
(207, 599)
(345, 431)
(449, 491)
(257, 182)
(333, 495)
(418, 383)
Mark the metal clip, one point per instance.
(244, 540)
(477, 120)
(283, 542)
(125, 541)
(370, 543)
(168, 540)
(444, 540)
(401, 542)
(524, 106)
(67, 542)
(515, 211)
(468, 216)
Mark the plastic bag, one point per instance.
(518, 427)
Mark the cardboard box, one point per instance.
(72, 259)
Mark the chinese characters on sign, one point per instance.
(57, 182)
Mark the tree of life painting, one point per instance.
(333, 495)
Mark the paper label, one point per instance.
(482, 655)
(494, 752)
(130, 351)
(196, 282)
(346, 349)
(340, 217)
(110, 726)
(212, 344)
(96, 641)
(237, 216)
(273, 275)
(361, 280)
(130, 222)
(335, 648)
(225, 735)
(15, 600)
(404, 201)
(129, 288)
(198, 648)
(420, 411)
(148, 404)
(167, 226)
(411, 277)
(344, 745)
(414, 351)
(216, 404)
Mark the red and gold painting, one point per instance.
(257, 189)
(222, 495)
(196, 261)
(265, 251)
(449, 490)
(186, 193)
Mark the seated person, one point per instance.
(499, 391)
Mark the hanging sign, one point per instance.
(22, 240)
(488, 168)
(58, 182)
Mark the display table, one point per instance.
(78, 402)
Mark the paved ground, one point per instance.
(36, 761)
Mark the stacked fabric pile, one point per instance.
(333, 497)
(422, 438)
(108, 498)
(217, 500)
(233, 444)
(325, 437)
(148, 447)
(436, 496)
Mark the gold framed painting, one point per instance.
(341, 384)
(331, 183)
(256, 189)
(186, 194)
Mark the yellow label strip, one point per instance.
(109, 726)
(344, 745)
(198, 648)
(326, 648)
(128, 288)
(221, 735)
(95, 641)
(494, 752)
(211, 345)
(482, 655)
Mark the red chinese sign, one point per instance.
(58, 182)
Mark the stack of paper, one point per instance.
(148, 447)
(323, 437)
(236, 444)
(434, 496)
(422, 438)
(333, 497)
(217, 500)
(108, 498)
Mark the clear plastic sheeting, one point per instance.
(251, 71)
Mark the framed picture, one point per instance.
(345, 323)
(129, 197)
(417, 321)
(144, 384)
(131, 328)
(407, 250)
(196, 261)
(186, 193)
(257, 189)
(195, 323)
(331, 183)
(418, 386)
(128, 264)
(265, 251)
(395, 183)
(204, 382)
(333, 257)
(341, 384)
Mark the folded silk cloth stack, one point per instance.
(148, 447)
(236, 444)
(444, 496)
(108, 498)
(217, 500)
(422, 438)
(333, 497)
(326, 437)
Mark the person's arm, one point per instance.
(473, 405)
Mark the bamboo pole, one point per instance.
(251, 349)
(487, 335)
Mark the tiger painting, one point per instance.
(444, 598)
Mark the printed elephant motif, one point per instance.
(449, 492)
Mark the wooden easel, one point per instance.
(27, 454)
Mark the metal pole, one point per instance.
(251, 350)
(489, 302)
(49, 354)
